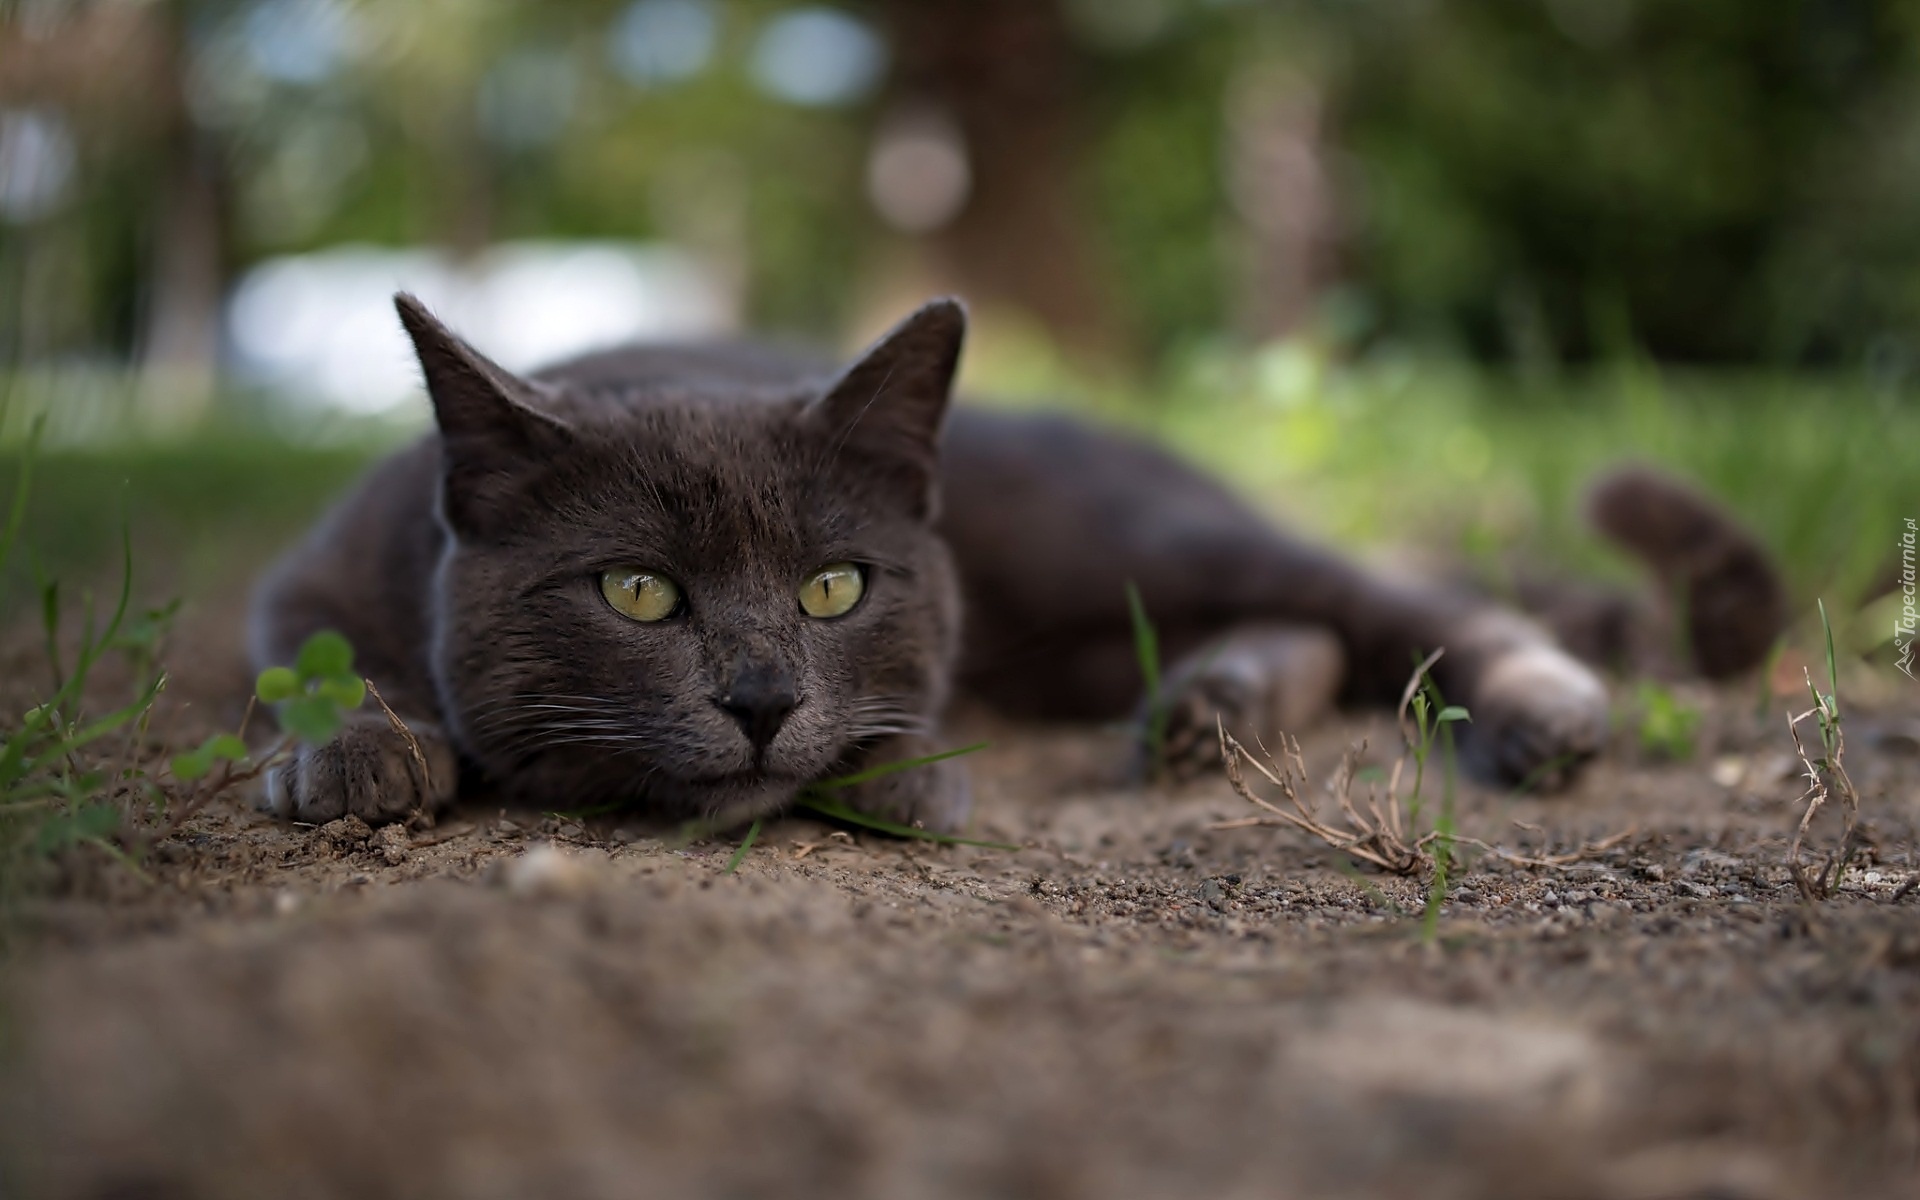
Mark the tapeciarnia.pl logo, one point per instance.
(1903, 625)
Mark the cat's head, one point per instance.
(698, 593)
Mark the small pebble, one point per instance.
(1729, 770)
(547, 870)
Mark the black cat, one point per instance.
(699, 577)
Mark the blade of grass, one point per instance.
(746, 844)
(107, 724)
(1833, 671)
(825, 805)
(884, 769)
(1146, 649)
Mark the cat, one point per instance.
(695, 579)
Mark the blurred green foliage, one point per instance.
(1719, 180)
(1666, 725)
(1543, 180)
(203, 512)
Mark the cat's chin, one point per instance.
(722, 803)
(729, 800)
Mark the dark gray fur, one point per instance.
(464, 572)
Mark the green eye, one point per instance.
(640, 595)
(832, 591)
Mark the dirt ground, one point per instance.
(1133, 1004)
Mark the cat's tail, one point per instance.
(1717, 576)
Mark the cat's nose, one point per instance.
(760, 700)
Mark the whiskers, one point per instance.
(520, 726)
(884, 716)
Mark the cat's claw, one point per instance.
(369, 770)
(1538, 715)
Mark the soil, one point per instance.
(1135, 1003)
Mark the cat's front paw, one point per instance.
(1538, 715)
(937, 797)
(1181, 725)
(370, 770)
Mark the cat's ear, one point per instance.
(890, 403)
(490, 429)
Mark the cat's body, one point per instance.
(470, 570)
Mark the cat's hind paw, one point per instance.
(1538, 715)
(370, 770)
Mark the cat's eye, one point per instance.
(640, 595)
(832, 591)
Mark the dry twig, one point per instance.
(1373, 834)
(1370, 837)
(1825, 779)
(420, 817)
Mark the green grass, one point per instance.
(1433, 722)
(1146, 652)
(1666, 725)
(194, 511)
(74, 774)
(746, 844)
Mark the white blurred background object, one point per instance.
(320, 327)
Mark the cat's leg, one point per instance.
(1257, 680)
(371, 769)
(1054, 523)
(1537, 712)
(936, 796)
(376, 768)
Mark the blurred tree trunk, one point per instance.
(1005, 71)
(180, 336)
(1281, 186)
(179, 341)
